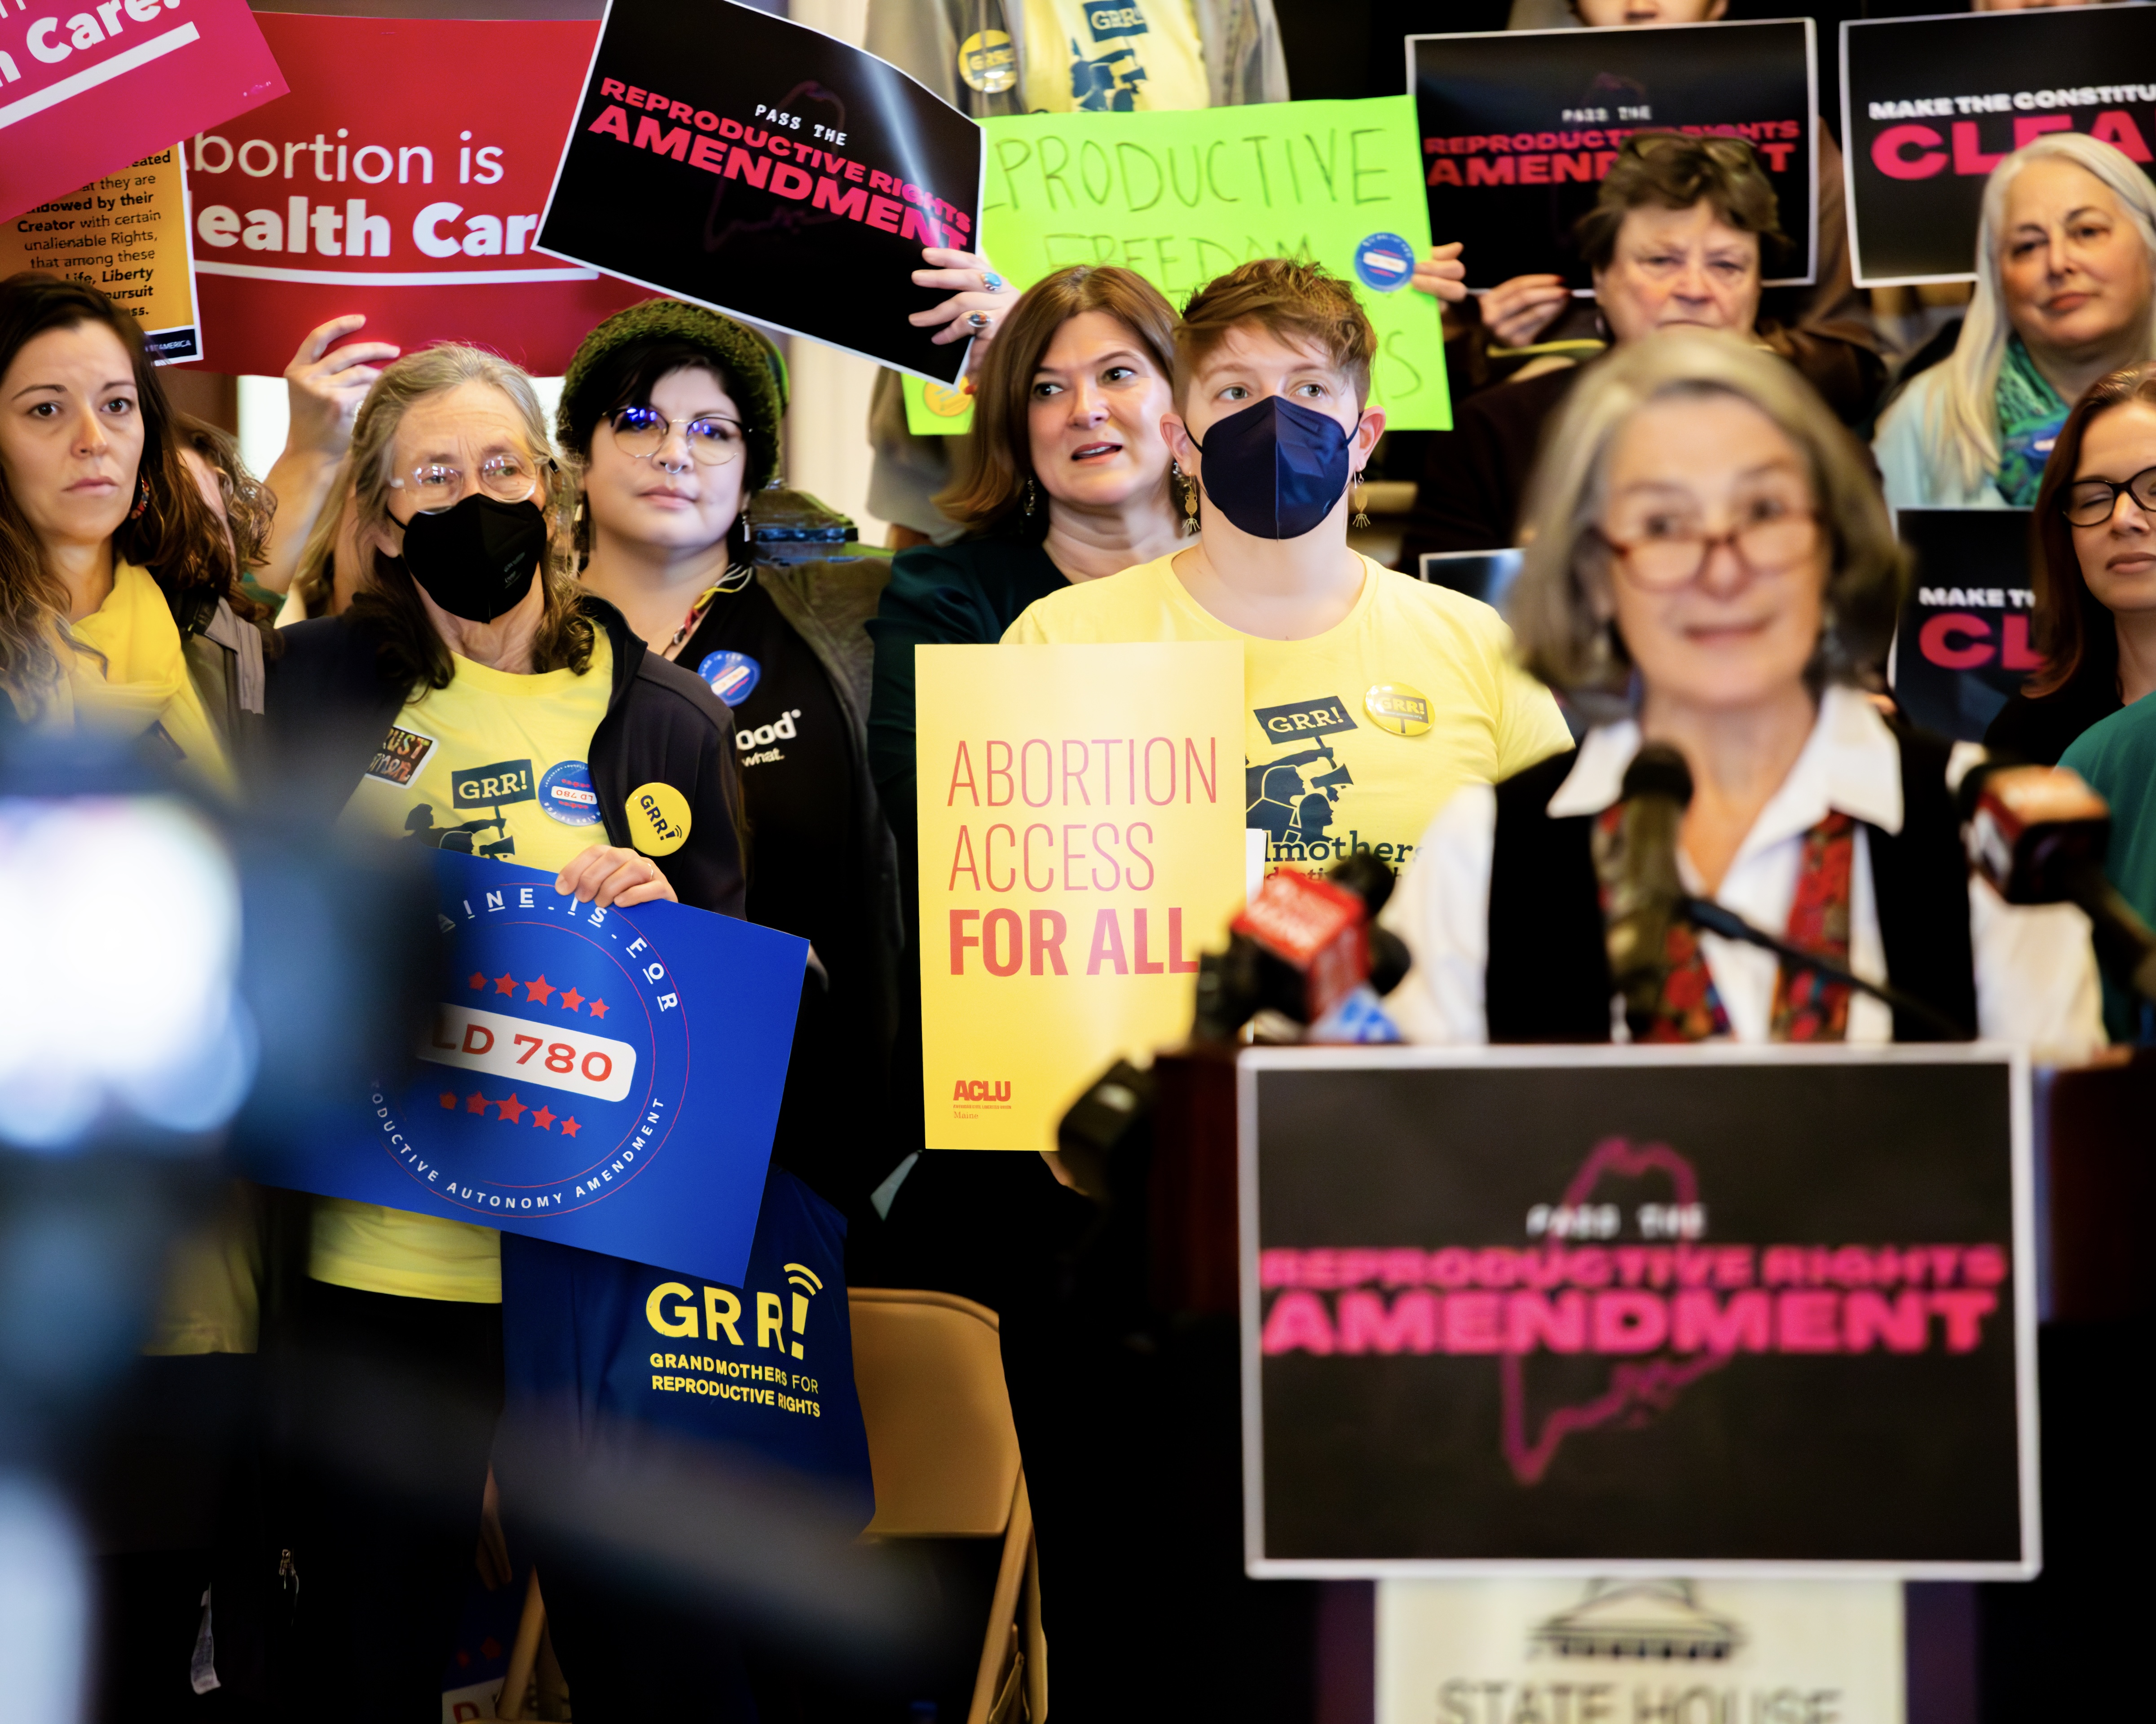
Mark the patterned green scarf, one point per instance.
(2030, 415)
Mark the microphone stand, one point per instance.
(1716, 919)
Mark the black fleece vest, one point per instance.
(1548, 977)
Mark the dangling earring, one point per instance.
(142, 499)
(1032, 499)
(1189, 501)
(1359, 520)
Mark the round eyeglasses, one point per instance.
(505, 478)
(1666, 557)
(2092, 502)
(643, 431)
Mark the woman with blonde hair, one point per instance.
(471, 642)
(1711, 569)
(2066, 294)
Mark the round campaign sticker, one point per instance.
(1394, 706)
(566, 791)
(554, 1064)
(1385, 262)
(988, 62)
(658, 819)
(945, 402)
(732, 675)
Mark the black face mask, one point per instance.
(477, 559)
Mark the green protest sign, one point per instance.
(1181, 197)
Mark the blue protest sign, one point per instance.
(606, 1079)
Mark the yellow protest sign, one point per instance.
(1081, 843)
(125, 235)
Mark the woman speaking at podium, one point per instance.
(1711, 569)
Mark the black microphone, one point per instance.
(2038, 834)
(1637, 865)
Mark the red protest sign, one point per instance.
(87, 92)
(413, 198)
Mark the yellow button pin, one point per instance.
(658, 819)
(1394, 706)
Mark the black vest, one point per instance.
(1548, 975)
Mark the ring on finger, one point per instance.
(990, 282)
(978, 320)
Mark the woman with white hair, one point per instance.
(2066, 294)
(1710, 568)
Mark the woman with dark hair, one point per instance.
(672, 419)
(2095, 576)
(471, 642)
(1710, 568)
(119, 598)
(1064, 478)
(1684, 232)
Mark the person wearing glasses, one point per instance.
(1711, 567)
(2066, 295)
(469, 645)
(2095, 612)
(671, 419)
(1685, 231)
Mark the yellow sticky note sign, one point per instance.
(125, 234)
(658, 819)
(1081, 843)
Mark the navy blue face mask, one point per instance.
(1276, 469)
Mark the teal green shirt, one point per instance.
(2118, 758)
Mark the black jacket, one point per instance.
(329, 708)
(1547, 978)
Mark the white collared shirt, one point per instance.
(2036, 970)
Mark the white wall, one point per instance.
(827, 445)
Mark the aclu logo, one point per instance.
(980, 1089)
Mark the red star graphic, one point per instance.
(502, 984)
(537, 990)
(448, 1099)
(543, 1119)
(568, 1128)
(474, 1103)
(478, 982)
(570, 999)
(599, 1008)
(512, 1109)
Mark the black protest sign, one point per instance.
(1756, 1309)
(1963, 644)
(762, 167)
(1519, 127)
(1933, 104)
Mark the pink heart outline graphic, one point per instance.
(1651, 1385)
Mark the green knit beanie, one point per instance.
(757, 372)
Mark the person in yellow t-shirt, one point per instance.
(1371, 695)
(474, 698)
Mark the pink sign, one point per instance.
(414, 198)
(85, 92)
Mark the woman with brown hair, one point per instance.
(120, 598)
(2096, 573)
(1064, 478)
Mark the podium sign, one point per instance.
(1712, 1310)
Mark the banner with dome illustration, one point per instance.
(1713, 1310)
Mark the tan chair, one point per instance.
(944, 1452)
